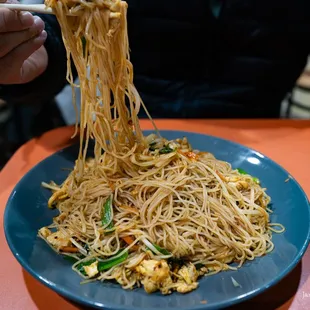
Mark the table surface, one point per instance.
(285, 141)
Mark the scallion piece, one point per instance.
(152, 147)
(241, 171)
(80, 266)
(107, 213)
(113, 262)
(165, 150)
(102, 265)
(83, 45)
(161, 250)
(199, 266)
(155, 248)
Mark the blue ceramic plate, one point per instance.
(27, 211)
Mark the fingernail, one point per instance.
(26, 19)
(41, 37)
(38, 24)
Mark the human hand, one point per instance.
(22, 54)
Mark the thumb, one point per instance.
(25, 62)
(34, 65)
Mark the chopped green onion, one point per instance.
(113, 262)
(102, 265)
(256, 180)
(83, 45)
(155, 248)
(241, 171)
(107, 214)
(165, 150)
(161, 250)
(152, 147)
(199, 266)
(80, 266)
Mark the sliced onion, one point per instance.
(153, 249)
(121, 253)
(49, 186)
(150, 138)
(82, 250)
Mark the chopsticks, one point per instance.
(41, 8)
(36, 8)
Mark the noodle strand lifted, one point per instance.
(143, 210)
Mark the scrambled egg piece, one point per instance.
(92, 269)
(187, 279)
(58, 239)
(188, 273)
(60, 218)
(185, 288)
(240, 184)
(156, 276)
(44, 232)
(234, 179)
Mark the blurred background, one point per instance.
(18, 124)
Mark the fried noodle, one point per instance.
(143, 210)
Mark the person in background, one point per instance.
(198, 59)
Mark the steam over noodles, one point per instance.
(143, 210)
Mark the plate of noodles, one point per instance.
(145, 220)
(193, 232)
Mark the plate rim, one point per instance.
(87, 302)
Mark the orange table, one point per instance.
(285, 141)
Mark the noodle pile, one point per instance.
(144, 210)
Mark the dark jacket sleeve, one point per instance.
(53, 80)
